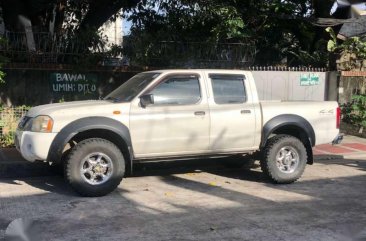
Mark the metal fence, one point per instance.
(43, 47)
(193, 54)
(9, 118)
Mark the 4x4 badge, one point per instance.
(326, 112)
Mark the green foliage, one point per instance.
(229, 25)
(315, 59)
(332, 43)
(355, 111)
(2, 76)
(89, 48)
(7, 140)
(9, 118)
(354, 45)
(351, 52)
(275, 28)
(2, 61)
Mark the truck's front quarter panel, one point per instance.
(36, 145)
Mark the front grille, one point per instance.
(23, 122)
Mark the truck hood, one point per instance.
(91, 106)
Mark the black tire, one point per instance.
(269, 164)
(59, 168)
(75, 161)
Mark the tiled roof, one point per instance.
(354, 28)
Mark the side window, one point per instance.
(178, 90)
(228, 89)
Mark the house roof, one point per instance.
(355, 13)
(348, 8)
(355, 28)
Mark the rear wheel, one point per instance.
(95, 167)
(284, 159)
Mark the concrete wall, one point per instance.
(332, 86)
(35, 87)
(286, 85)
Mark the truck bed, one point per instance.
(322, 115)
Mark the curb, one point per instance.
(354, 156)
(327, 157)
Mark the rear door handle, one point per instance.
(245, 112)
(199, 113)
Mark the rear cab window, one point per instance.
(228, 88)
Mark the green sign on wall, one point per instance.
(73, 83)
(309, 79)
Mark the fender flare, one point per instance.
(85, 124)
(288, 120)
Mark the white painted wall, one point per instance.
(113, 31)
(285, 85)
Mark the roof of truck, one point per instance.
(197, 70)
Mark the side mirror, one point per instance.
(146, 100)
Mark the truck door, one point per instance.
(232, 113)
(178, 121)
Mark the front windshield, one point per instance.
(128, 90)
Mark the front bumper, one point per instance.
(338, 139)
(33, 145)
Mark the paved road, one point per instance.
(203, 202)
(195, 200)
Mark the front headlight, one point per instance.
(42, 123)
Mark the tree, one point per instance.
(279, 30)
(179, 31)
(71, 17)
(2, 61)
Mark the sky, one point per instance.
(126, 27)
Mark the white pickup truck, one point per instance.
(175, 114)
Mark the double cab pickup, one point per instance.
(176, 114)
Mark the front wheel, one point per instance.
(95, 167)
(284, 159)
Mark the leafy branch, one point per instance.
(352, 51)
(2, 61)
(355, 111)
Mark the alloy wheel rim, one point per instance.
(287, 159)
(96, 168)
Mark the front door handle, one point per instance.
(199, 113)
(245, 112)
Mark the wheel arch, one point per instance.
(293, 125)
(93, 127)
